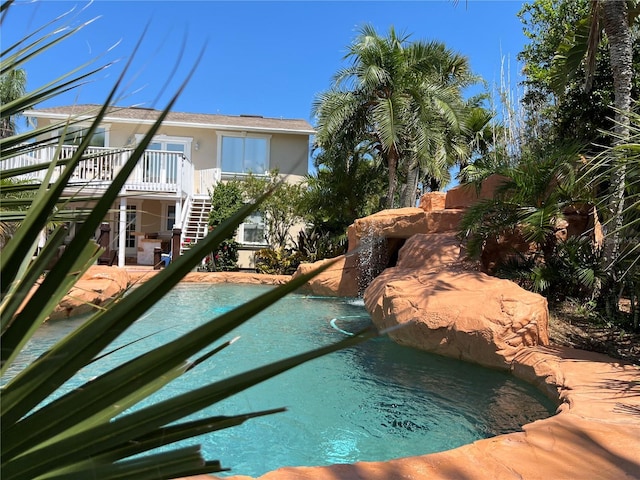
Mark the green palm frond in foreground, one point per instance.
(84, 433)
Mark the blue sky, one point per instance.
(262, 57)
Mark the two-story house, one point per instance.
(171, 185)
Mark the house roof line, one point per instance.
(132, 116)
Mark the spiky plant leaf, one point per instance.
(85, 433)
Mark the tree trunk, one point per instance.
(616, 26)
(392, 166)
(409, 194)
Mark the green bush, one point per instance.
(277, 261)
(223, 259)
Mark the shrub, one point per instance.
(277, 261)
(223, 259)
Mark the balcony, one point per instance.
(157, 170)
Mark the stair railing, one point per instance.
(186, 211)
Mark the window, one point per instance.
(161, 161)
(244, 154)
(162, 167)
(130, 239)
(171, 217)
(74, 134)
(252, 231)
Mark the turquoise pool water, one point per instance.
(376, 401)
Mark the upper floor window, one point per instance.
(74, 134)
(244, 154)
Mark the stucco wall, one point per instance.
(288, 153)
(151, 216)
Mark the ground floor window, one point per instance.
(130, 238)
(171, 217)
(253, 230)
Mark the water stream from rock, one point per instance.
(373, 257)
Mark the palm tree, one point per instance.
(12, 87)
(615, 19)
(614, 16)
(598, 170)
(395, 95)
(487, 146)
(349, 183)
(439, 138)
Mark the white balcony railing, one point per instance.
(209, 178)
(157, 170)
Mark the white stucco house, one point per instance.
(171, 185)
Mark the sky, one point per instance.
(258, 57)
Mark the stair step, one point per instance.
(197, 223)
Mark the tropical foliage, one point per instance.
(280, 209)
(92, 431)
(557, 102)
(12, 87)
(581, 91)
(527, 211)
(226, 198)
(623, 268)
(349, 183)
(278, 261)
(402, 102)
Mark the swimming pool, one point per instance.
(376, 401)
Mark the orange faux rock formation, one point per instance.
(442, 221)
(429, 251)
(343, 278)
(102, 283)
(433, 201)
(138, 276)
(340, 279)
(96, 287)
(398, 223)
(451, 311)
(463, 196)
(464, 315)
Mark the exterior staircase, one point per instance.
(196, 225)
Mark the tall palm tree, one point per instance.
(440, 136)
(395, 95)
(614, 16)
(13, 85)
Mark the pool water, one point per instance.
(376, 401)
